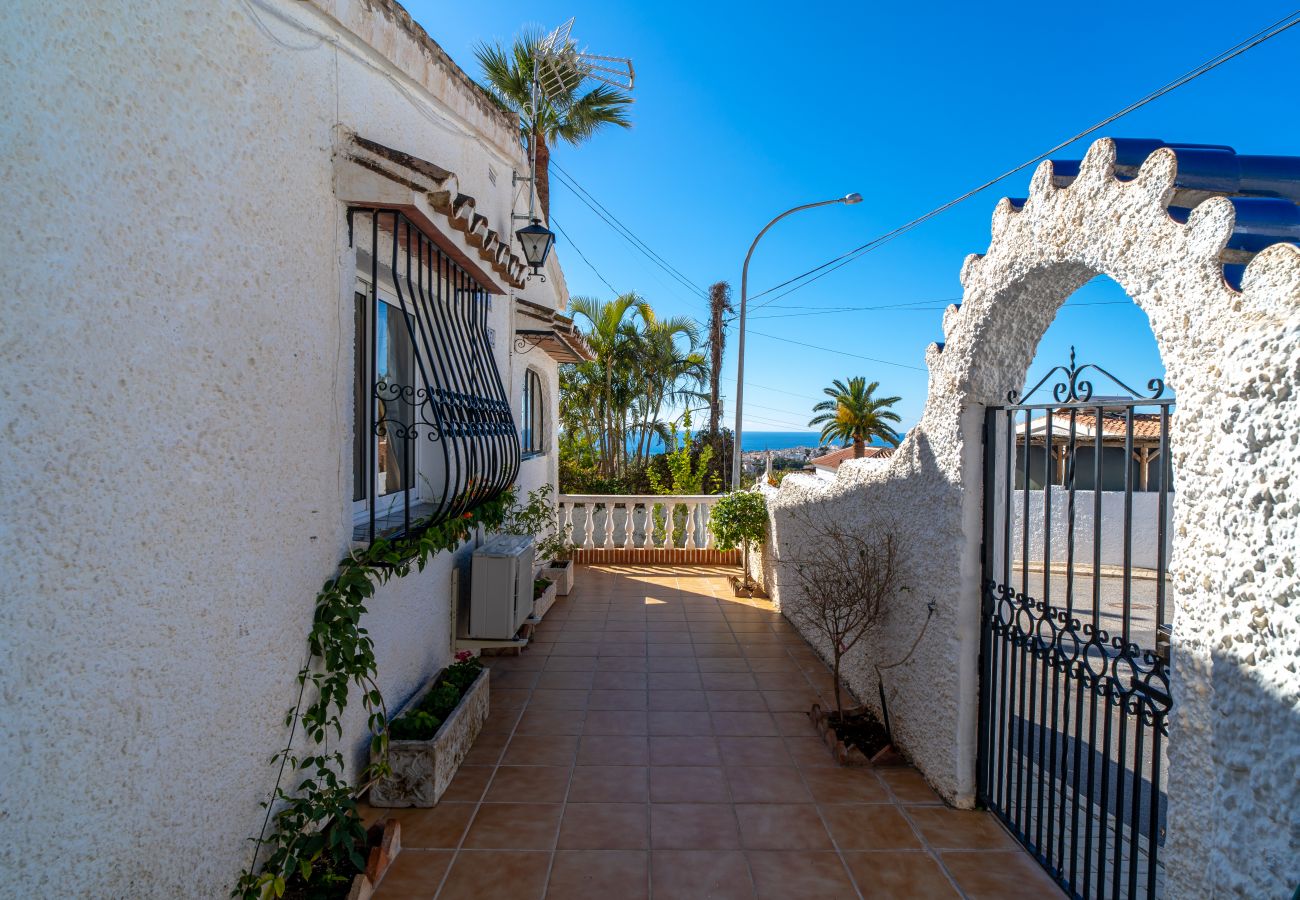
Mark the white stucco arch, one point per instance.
(1233, 360)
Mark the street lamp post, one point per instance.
(848, 200)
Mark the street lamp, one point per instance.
(847, 200)
(536, 240)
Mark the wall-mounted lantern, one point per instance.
(536, 240)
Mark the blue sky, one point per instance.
(744, 110)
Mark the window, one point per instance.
(434, 433)
(532, 416)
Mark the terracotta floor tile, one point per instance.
(584, 874)
(700, 875)
(693, 826)
(501, 721)
(793, 724)
(624, 648)
(414, 875)
(799, 701)
(742, 724)
(739, 701)
(507, 699)
(809, 752)
(1000, 876)
(845, 785)
(908, 785)
(558, 699)
(551, 721)
(674, 681)
(894, 875)
(529, 784)
(468, 785)
(683, 750)
(663, 650)
(782, 875)
(767, 784)
(541, 750)
(621, 664)
(496, 875)
(605, 826)
(514, 826)
(780, 663)
(961, 829)
(516, 679)
(728, 681)
(617, 700)
(754, 751)
(782, 826)
(610, 784)
(433, 829)
(625, 722)
(686, 723)
(718, 650)
(577, 648)
(619, 681)
(565, 681)
(721, 664)
(671, 664)
(869, 826)
(677, 701)
(688, 784)
(613, 750)
(571, 664)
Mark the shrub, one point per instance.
(739, 519)
(423, 722)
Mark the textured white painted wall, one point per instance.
(175, 394)
(1233, 359)
(1144, 533)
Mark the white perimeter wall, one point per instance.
(1144, 531)
(175, 414)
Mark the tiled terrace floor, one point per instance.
(652, 742)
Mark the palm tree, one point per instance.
(853, 414)
(614, 340)
(565, 115)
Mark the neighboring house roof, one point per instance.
(832, 460)
(1146, 426)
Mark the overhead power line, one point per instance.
(884, 362)
(813, 274)
(928, 309)
(578, 250)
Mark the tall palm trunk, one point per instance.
(719, 303)
(543, 175)
(859, 447)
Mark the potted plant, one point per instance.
(543, 596)
(430, 736)
(739, 519)
(537, 517)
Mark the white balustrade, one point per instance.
(636, 521)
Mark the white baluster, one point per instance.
(564, 518)
(668, 526)
(629, 524)
(706, 515)
(588, 526)
(690, 527)
(609, 526)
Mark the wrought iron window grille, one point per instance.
(449, 431)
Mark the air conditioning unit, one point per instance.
(501, 587)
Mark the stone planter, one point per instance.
(422, 770)
(755, 590)
(846, 755)
(546, 601)
(561, 572)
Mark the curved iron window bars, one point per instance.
(435, 432)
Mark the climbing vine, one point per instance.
(317, 841)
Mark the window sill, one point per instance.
(392, 525)
(533, 455)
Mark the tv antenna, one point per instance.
(559, 69)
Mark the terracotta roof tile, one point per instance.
(832, 460)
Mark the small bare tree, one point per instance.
(844, 580)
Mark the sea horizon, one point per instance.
(758, 441)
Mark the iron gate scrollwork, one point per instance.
(454, 405)
(1074, 690)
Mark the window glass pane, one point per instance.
(394, 390)
(361, 437)
(526, 414)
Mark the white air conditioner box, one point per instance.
(501, 587)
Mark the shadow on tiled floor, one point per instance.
(652, 742)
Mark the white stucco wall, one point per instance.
(1144, 533)
(1233, 360)
(175, 393)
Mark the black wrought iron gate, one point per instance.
(1074, 689)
